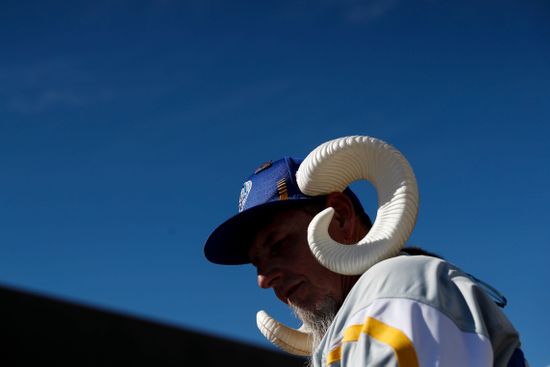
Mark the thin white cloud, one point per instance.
(38, 87)
(234, 100)
(51, 98)
(354, 11)
(366, 11)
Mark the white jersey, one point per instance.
(417, 311)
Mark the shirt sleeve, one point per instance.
(417, 311)
(405, 332)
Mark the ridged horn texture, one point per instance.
(334, 165)
(293, 341)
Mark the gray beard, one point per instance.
(317, 321)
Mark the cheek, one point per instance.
(325, 281)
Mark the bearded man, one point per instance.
(363, 298)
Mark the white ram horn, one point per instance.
(293, 341)
(331, 167)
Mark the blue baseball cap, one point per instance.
(272, 185)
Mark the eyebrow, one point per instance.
(269, 239)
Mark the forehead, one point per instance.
(279, 223)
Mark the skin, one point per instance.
(284, 262)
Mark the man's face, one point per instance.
(284, 262)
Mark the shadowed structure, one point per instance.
(39, 330)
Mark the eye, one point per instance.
(276, 247)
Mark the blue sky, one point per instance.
(127, 129)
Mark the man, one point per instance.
(364, 300)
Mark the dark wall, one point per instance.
(37, 330)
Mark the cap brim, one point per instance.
(230, 242)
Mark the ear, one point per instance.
(343, 225)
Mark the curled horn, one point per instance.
(331, 167)
(334, 165)
(293, 341)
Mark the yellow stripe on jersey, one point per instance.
(395, 338)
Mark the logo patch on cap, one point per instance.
(244, 194)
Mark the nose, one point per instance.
(268, 279)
